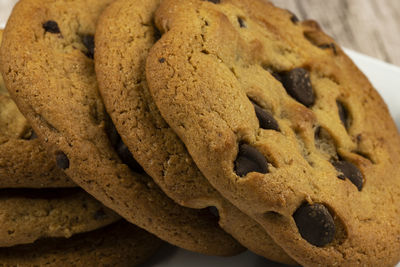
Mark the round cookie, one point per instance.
(30, 214)
(284, 125)
(55, 88)
(124, 35)
(23, 161)
(120, 244)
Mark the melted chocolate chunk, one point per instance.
(248, 160)
(62, 160)
(88, 41)
(242, 23)
(51, 26)
(265, 118)
(350, 171)
(214, 1)
(315, 224)
(343, 114)
(293, 17)
(298, 85)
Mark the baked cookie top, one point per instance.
(284, 125)
(124, 35)
(55, 88)
(31, 214)
(120, 244)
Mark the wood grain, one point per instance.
(371, 27)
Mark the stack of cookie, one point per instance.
(215, 125)
(45, 218)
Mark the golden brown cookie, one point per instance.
(23, 161)
(30, 214)
(284, 125)
(55, 88)
(120, 244)
(124, 35)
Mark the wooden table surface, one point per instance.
(371, 27)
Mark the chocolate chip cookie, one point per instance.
(23, 161)
(284, 125)
(30, 214)
(124, 35)
(120, 244)
(55, 88)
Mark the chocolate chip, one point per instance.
(343, 114)
(329, 46)
(293, 17)
(51, 26)
(350, 171)
(214, 1)
(214, 211)
(315, 224)
(248, 160)
(88, 41)
(265, 118)
(161, 60)
(298, 85)
(62, 160)
(242, 23)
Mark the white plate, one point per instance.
(386, 79)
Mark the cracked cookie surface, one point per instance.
(284, 125)
(124, 35)
(55, 88)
